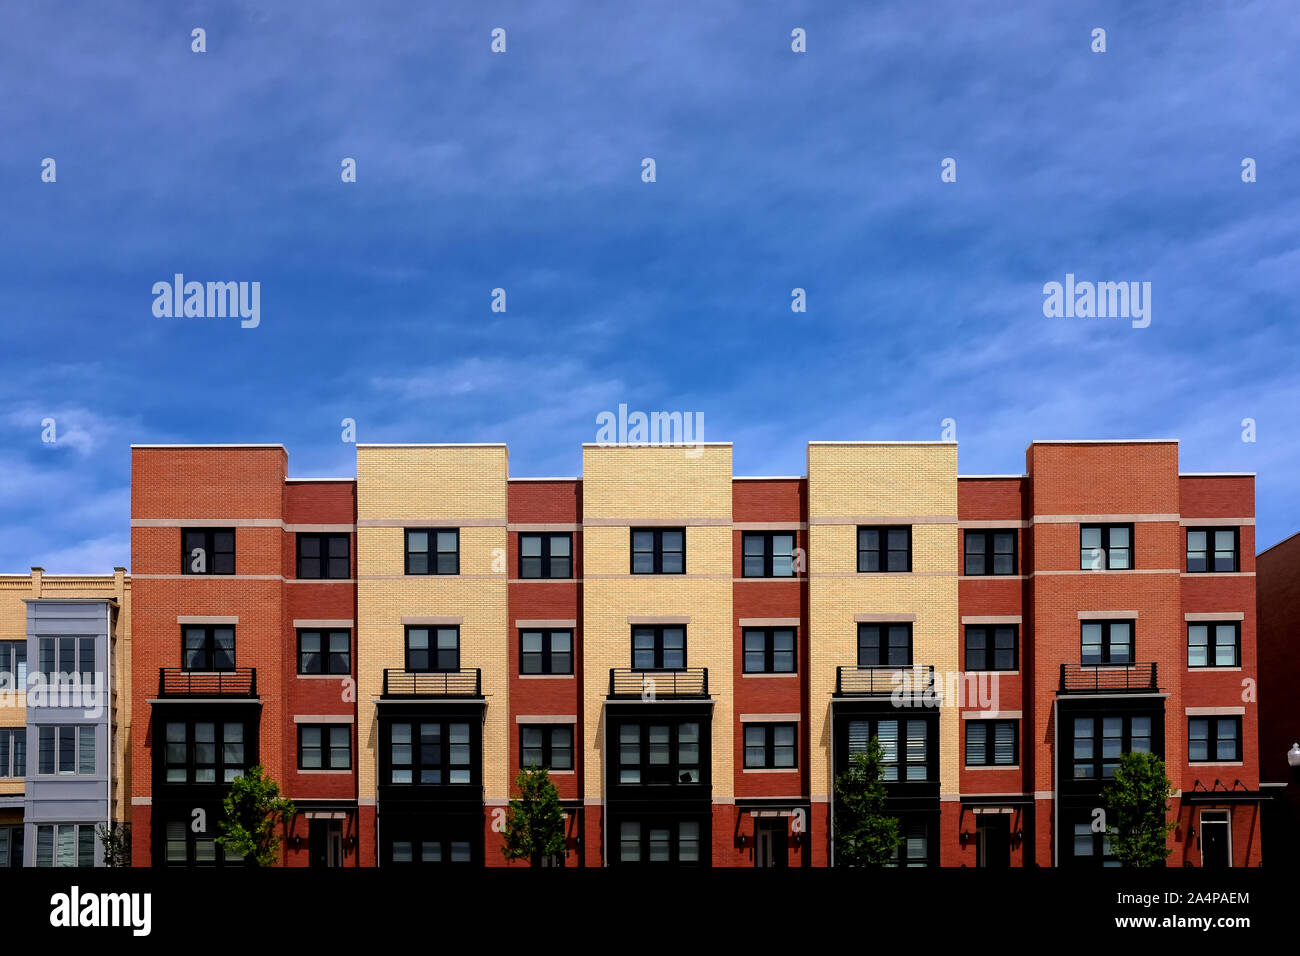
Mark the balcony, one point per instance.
(1108, 679)
(854, 681)
(630, 683)
(464, 683)
(239, 683)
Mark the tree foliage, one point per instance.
(1138, 803)
(864, 834)
(253, 809)
(535, 820)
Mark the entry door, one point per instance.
(771, 846)
(994, 835)
(1214, 840)
(325, 841)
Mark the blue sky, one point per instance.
(523, 171)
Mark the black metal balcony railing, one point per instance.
(854, 681)
(466, 682)
(178, 682)
(627, 683)
(1108, 679)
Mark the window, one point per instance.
(659, 841)
(65, 750)
(885, 549)
(884, 645)
(63, 658)
(324, 652)
(911, 754)
(11, 846)
(1099, 742)
(990, 552)
(324, 555)
(65, 844)
(429, 848)
(1213, 549)
(13, 665)
(658, 550)
(209, 648)
(666, 753)
(770, 746)
(1214, 644)
(991, 743)
(546, 555)
(546, 745)
(659, 648)
(767, 554)
(208, 551)
(13, 753)
(204, 751)
(546, 652)
(443, 654)
(324, 747)
(1213, 739)
(914, 849)
(430, 752)
(991, 648)
(184, 847)
(769, 650)
(434, 551)
(1107, 642)
(1106, 547)
(1092, 846)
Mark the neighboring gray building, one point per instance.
(71, 730)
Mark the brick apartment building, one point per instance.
(63, 746)
(1279, 676)
(695, 655)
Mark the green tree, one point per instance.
(1138, 804)
(535, 821)
(116, 840)
(864, 834)
(253, 809)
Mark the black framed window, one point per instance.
(1090, 846)
(659, 648)
(207, 551)
(13, 665)
(324, 747)
(1213, 739)
(1213, 549)
(885, 548)
(433, 551)
(1107, 642)
(430, 752)
(184, 847)
(771, 747)
(65, 844)
(1106, 547)
(324, 652)
(546, 555)
(11, 846)
(67, 657)
(990, 552)
(66, 750)
(1213, 644)
(769, 650)
(429, 850)
(209, 647)
(204, 751)
(904, 745)
(767, 554)
(1099, 742)
(546, 652)
(662, 841)
(324, 555)
(991, 647)
(992, 743)
(659, 753)
(914, 849)
(546, 745)
(884, 645)
(13, 752)
(432, 648)
(658, 550)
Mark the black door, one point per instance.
(1214, 844)
(995, 841)
(773, 846)
(325, 843)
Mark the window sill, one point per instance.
(984, 673)
(1215, 763)
(769, 770)
(323, 772)
(981, 766)
(545, 676)
(323, 676)
(1191, 669)
(554, 773)
(782, 674)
